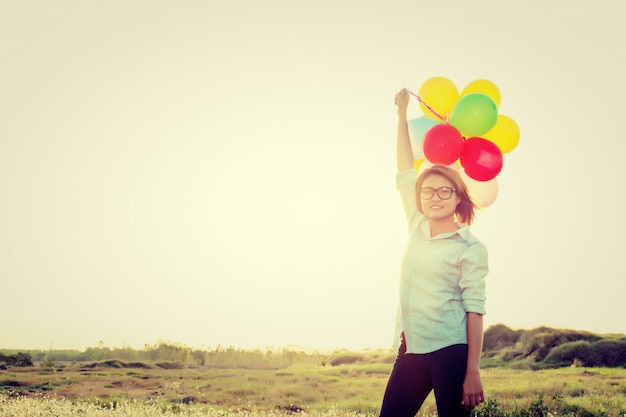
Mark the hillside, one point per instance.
(538, 348)
(546, 347)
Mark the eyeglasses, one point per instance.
(443, 193)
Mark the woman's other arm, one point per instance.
(472, 387)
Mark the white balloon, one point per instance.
(483, 193)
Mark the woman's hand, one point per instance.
(402, 101)
(472, 390)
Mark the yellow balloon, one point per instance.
(441, 94)
(485, 87)
(417, 163)
(505, 133)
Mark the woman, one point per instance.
(442, 291)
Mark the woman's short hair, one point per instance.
(464, 212)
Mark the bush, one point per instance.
(344, 359)
(170, 365)
(610, 353)
(508, 354)
(499, 336)
(568, 353)
(19, 359)
(541, 341)
(118, 364)
(606, 352)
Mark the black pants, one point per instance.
(414, 376)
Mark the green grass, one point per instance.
(533, 373)
(355, 387)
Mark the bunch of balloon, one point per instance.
(465, 131)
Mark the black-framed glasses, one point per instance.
(443, 193)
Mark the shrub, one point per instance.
(19, 359)
(499, 336)
(610, 353)
(170, 365)
(490, 408)
(117, 364)
(606, 352)
(508, 354)
(344, 359)
(539, 342)
(568, 353)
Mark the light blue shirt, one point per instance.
(442, 278)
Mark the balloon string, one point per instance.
(428, 107)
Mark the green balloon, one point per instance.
(474, 114)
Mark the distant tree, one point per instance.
(199, 356)
(19, 359)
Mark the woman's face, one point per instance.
(438, 198)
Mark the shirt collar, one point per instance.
(463, 232)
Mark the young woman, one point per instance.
(439, 329)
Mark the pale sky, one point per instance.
(223, 172)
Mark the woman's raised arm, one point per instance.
(404, 152)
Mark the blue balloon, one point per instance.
(417, 129)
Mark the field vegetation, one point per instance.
(531, 373)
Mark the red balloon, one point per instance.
(481, 159)
(442, 144)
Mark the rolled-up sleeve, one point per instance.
(474, 269)
(405, 182)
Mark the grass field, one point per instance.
(341, 385)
